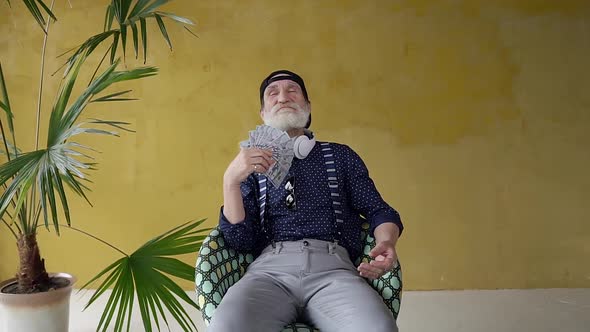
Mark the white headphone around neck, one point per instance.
(303, 145)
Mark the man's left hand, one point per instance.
(384, 260)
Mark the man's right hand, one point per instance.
(247, 161)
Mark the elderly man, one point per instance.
(306, 231)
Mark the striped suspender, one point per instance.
(332, 175)
(262, 203)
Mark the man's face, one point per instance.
(285, 106)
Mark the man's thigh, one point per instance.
(255, 303)
(344, 301)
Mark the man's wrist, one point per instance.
(387, 232)
(229, 183)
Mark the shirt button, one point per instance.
(305, 243)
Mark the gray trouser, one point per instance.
(310, 281)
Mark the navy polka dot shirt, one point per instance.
(313, 215)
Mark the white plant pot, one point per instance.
(46, 312)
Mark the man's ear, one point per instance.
(262, 113)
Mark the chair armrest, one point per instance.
(218, 267)
(389, 285)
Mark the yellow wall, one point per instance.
(473, 117)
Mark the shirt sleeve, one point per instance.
(363, 194)
(244, 235)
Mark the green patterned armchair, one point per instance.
(218, 267)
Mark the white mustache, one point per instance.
(277, 107)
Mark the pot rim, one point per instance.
(68, 288)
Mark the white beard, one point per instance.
(287, 120)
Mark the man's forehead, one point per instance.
(286, 81)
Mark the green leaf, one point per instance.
(49, 193)
(189, 31)
(156, 4)
(111, 97)
(116, 124)
(63, 97)
(135, 38)
(124, 39)
(62, 195)
(163, 30)
(34, 10)
(22, 170)
(176, 18)
(61, 123)
(114, 47)
(87, 47)
(139, 6)
(36, 13)
(125, 4)
(144, 40)
(47, 10)
(145, 273)
(75, 185)
(6, 101)
(105, 26)
(6, 109)
(13, 150)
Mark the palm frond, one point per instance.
(147, 9)
(114, 46)
(61, 121)
(36, 12)
(176, 18)
(123, 31)
(112, 96)
(145, 274)
(22, 171)
(87, 47)
(116, 124)
(12, 149)
(135, 38)
(139, 7)
(126, 15)
(108, 18)
(59, 164)
(163, 30)
(144, 40)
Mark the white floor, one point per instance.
(543, 310)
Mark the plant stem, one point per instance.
(32, 275)
(34, 189)
(96, 238)
(41, 78)
(18, 229)
(36, 218)
(10, 228)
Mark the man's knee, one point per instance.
(230, 318)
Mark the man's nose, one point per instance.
(283, 96)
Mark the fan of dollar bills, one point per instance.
(281, 145)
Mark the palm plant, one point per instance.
(35, 183)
